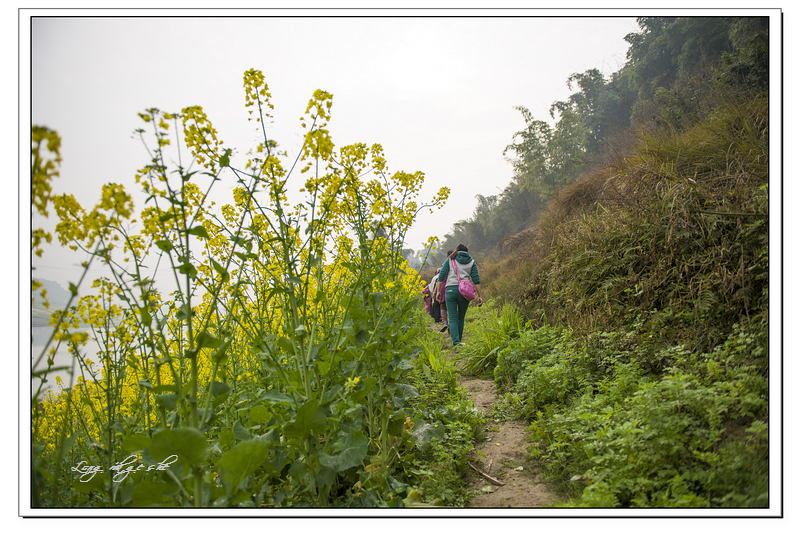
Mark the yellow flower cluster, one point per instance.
(201, 137)
(286, 273)
(257, 93)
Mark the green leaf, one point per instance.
(226, 438)
(96, 483)
(285, 345)
(423, 433)
(218, 388)
(206, 340)
(219, 356)
(135, 443)
(225, 159)
(276, 397)
(221, 271)
(66, 446)
(406, 391)
(187, 443)
(326, 476)
(310, 419)
(259, 414)
(199, 231)
(183, 312)
(148, 493)
(147, 318)
(240, 432)
(164, 245)
(187, 268)
(241, 461)
(354, 450)
(168, 401)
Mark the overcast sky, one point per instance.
(438, 93)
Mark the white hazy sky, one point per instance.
(438, 93)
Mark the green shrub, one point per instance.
(530, 346)
(490, 331)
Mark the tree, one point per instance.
(672, 50)
(548, 158)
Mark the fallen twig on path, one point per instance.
(487, 476)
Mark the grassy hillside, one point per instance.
(644, 373)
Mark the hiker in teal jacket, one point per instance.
(456, 304)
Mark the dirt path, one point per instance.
(503, 456)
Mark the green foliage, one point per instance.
(490, 330)
(257, 381)
(545, 158)
(635, 439)
(683, 250)
(529, 347)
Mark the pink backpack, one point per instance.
(465, 286)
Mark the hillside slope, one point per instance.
(645, 370)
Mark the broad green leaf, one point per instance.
(423, 433)
(135, 443)
(309, 419)
(354, 450)
(276, 396)
(184, 312)
(285, 345)
(218, 388)
(187, 268)
(66, 446)
(149, 493)
(146, 316)
(199, 231)
(168, 400)
(226, 438)
(259, 414)
(240, 432)
(326, 476)
(406, 391)
(164, 245)
(242, 460)
(206, 340)
(187, 443)
(96, 483)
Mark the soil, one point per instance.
(503, 456)
(516, 481)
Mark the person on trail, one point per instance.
(438, 295)
(459, 264)
(435, 306)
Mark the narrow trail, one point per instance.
(503, 456)
(512, 479)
